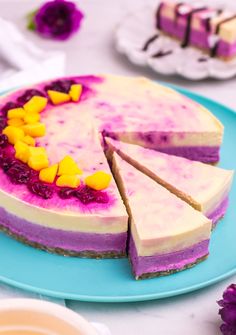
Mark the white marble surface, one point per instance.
(92, 51)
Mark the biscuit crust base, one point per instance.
(63, 252)
(169, 272)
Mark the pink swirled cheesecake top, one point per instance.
(128, 106)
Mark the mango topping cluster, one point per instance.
(24, 126)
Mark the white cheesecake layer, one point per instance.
(111, 223)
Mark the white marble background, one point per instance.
(92, 51)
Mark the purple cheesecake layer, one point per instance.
(197, 38)
(163, 143)
(165, 263)
(77, 242)
(202, 153)
(219, 211)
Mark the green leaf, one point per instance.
(30, 18)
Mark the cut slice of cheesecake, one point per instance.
(203, 186)
(167, 234)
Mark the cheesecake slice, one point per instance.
(210, 29)
(166, 233)
(203, 186)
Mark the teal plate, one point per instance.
(111, 280)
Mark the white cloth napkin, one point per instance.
(21, 62)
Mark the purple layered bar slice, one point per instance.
(207, 28)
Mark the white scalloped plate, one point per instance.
(138, 27)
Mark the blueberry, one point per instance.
(66, 192)
(60, 85)
(8, 106)
(19, 173)
(3, 141)
(87, 195)
(42, 190)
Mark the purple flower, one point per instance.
(57, 19)
(228, 310)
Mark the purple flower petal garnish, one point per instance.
(228, 310)
(58, 19)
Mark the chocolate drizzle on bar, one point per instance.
(158, 16)
(160, 54)
(208, 19)
(149, 42)
(176, 10)
(189, 25)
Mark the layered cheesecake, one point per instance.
(167, 235)
(204, 27)
(203, 186)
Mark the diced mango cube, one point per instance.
(29, 140)
(31, 118)
(67, 166)
(48, 175)
(75, 92)
(15, 122)
(35, 151)
(36, 104)
(22, 151)
(16, 113)
(35, 130)
(13, 134)
(98, 180)
(68, 181)
(58, 97)
(38, 162)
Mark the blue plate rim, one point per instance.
(117, 299)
